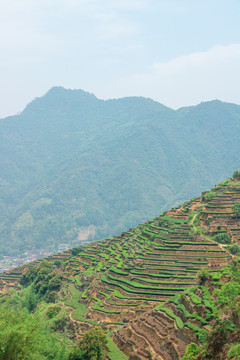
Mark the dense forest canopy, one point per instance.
(70, 161)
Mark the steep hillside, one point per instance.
(202, 322)
(70, 160)
(123, 283)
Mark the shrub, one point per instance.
(236, 174)
(219, 337)
(209, 196)
(234, 352)
(52, 311)
(45, 282)
(216, 276)
(57, 263)
(191, 352)
(236, 209)
(59, 322)
(28, 276)
(75, 251)
(25, 337)
(52, 297)
(200, 333)
(223, 238)
(228, 294)
(203, 276)
(31, 301)
(234, 249)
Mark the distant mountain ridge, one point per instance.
(71, 160)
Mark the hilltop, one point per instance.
(76, 168)
(152, 288)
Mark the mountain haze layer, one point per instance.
(70, 160)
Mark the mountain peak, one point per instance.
(60, 97)
(60, 90)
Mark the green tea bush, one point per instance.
(200, 333)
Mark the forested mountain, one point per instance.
(70, 160)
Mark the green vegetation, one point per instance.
(236, 209)
(222, 238)
(234, 249)
(91, 347)
(114, 352)
(68, 140)
(171, 314)
(80, 309)
(234, 352)
(89, 271)
(235, 174)
(222, 340)
(192, 352)
(203, 276)
(24, 336)
(209, 196)
(36, 333)
(134, 291)
(152, 266)
(44, 282)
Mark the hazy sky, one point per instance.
(178, 52)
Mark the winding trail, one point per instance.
(223, 247)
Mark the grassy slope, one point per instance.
(117, 279)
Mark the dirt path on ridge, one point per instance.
(223, 247)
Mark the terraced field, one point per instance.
(218, 214)
(164, 333)
(118, 282)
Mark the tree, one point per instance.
(218, 337)
(44, 281)
(57, 263)
(28, 276)
(94, 342)
(223, 238)
(51, 297)
(55, 283)
(234, 249)
(30, 300)
(78, 354)
(203, 276)
(209, 196)
(236, 174)
(91, 347)
(192, 352)
(75, 251)
(24, 337)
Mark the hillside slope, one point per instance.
(123, 283)
(70, 160)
